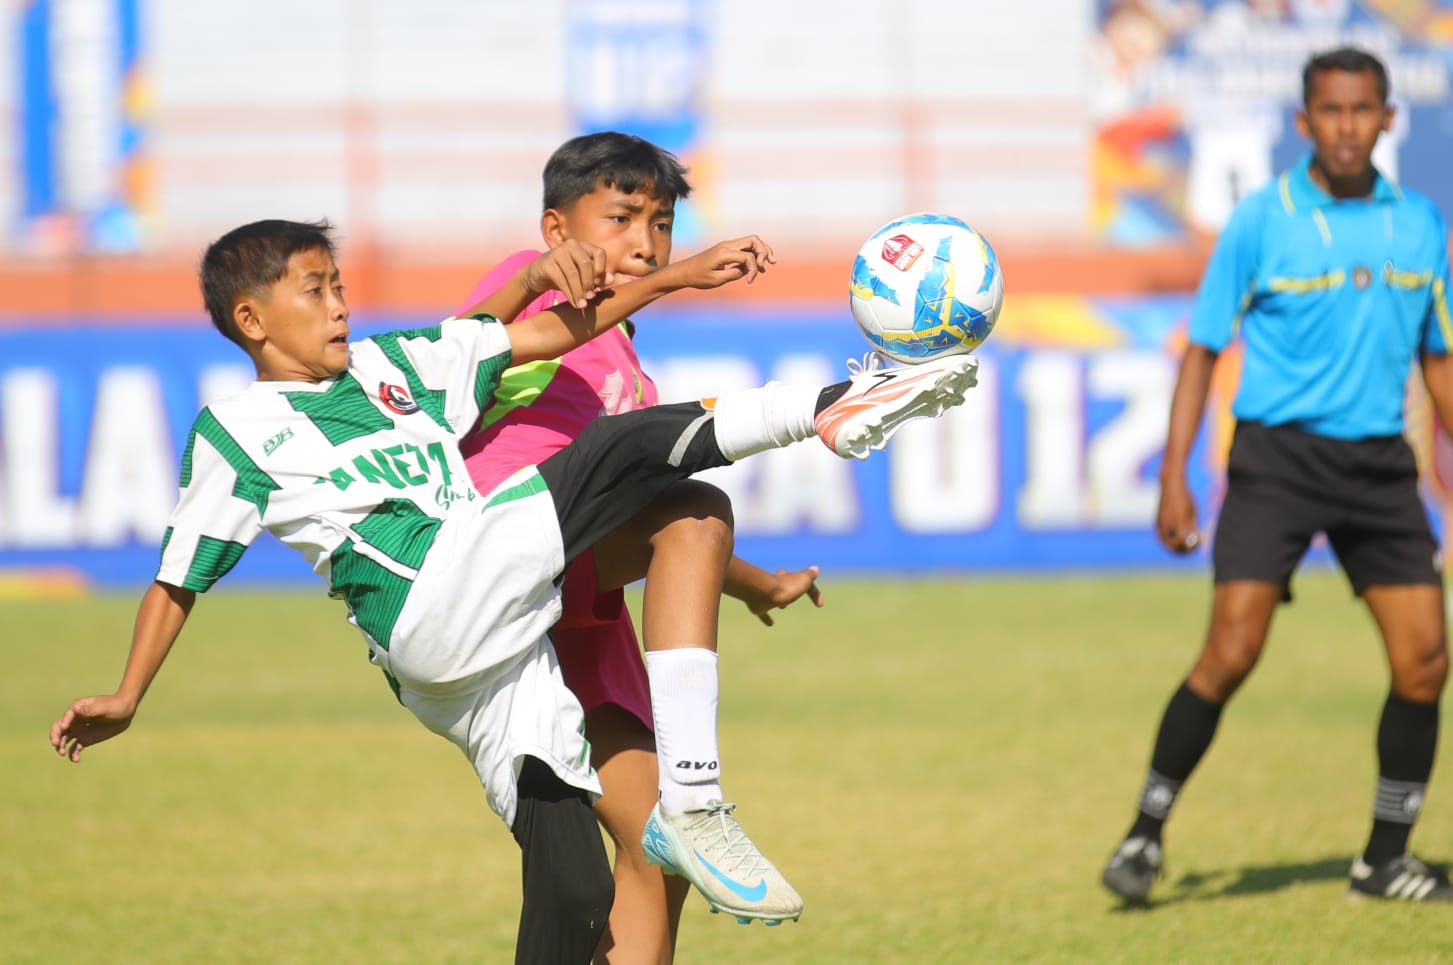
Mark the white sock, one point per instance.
(684, 692)
(770, 417)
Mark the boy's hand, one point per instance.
(88, 721)
(787, 588)
(576, 268)
(726, 262)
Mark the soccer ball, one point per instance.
(924, 286)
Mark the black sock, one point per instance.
(830, 395)
(1185, 732)
(1407, 741)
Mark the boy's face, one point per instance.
(634, 229)
(298, 329)
(1343, 118)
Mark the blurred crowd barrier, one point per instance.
(145, 128)
(1099, 144)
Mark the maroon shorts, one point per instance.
(596, 645)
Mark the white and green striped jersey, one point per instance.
(358, 473)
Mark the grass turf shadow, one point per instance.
(1214, 884)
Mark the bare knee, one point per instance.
(695, 517)
(1233, 646)
(703, 537)
(1241, 614)
(1414, 633)
(1420, 674)
(1224, 665)
(693, 499)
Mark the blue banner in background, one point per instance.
(1050, 465)
(82, 101)
(641, 67)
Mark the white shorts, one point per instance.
(470, 652)
(526, 711)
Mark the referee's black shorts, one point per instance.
(1285, 485)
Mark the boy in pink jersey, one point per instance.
(618, 192)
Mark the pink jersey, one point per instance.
(541, 406)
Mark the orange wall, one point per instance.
(391, 281)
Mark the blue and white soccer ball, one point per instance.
(924, 286)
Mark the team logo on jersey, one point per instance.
(396, 398)
(270, 446)
(1361, 277)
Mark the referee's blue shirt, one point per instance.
(1333, 299)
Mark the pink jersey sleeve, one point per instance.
(540, 407)
(503, 272)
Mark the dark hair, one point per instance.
(616, 160)
(251, 259)
(1350, 59)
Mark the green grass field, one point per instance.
(939, 767)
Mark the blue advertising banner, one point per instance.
(82, 103)
(1050, 465)
(641, 67)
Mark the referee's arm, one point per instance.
(1438, 377)
(1176, 525)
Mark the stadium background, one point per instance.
(1098, 145)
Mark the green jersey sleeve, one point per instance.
(219, 513)
(452, 369)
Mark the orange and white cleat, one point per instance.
(882, 398)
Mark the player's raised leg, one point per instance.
(619, 464)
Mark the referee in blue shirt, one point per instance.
(1336, 279)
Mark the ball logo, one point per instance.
(1361, 277)
(901, 252)
(396, 399)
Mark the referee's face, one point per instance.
(1343, 118)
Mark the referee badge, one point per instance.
(1361, 277)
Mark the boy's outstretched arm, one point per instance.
(574, 268)
(90, 720)
(763, 592)
(552, 333)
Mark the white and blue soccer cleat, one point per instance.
(708, 848)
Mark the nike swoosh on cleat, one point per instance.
(883, 378)
(745, 892)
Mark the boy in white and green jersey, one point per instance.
(349, 453)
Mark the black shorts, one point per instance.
(1285, 485)
(618, 464)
